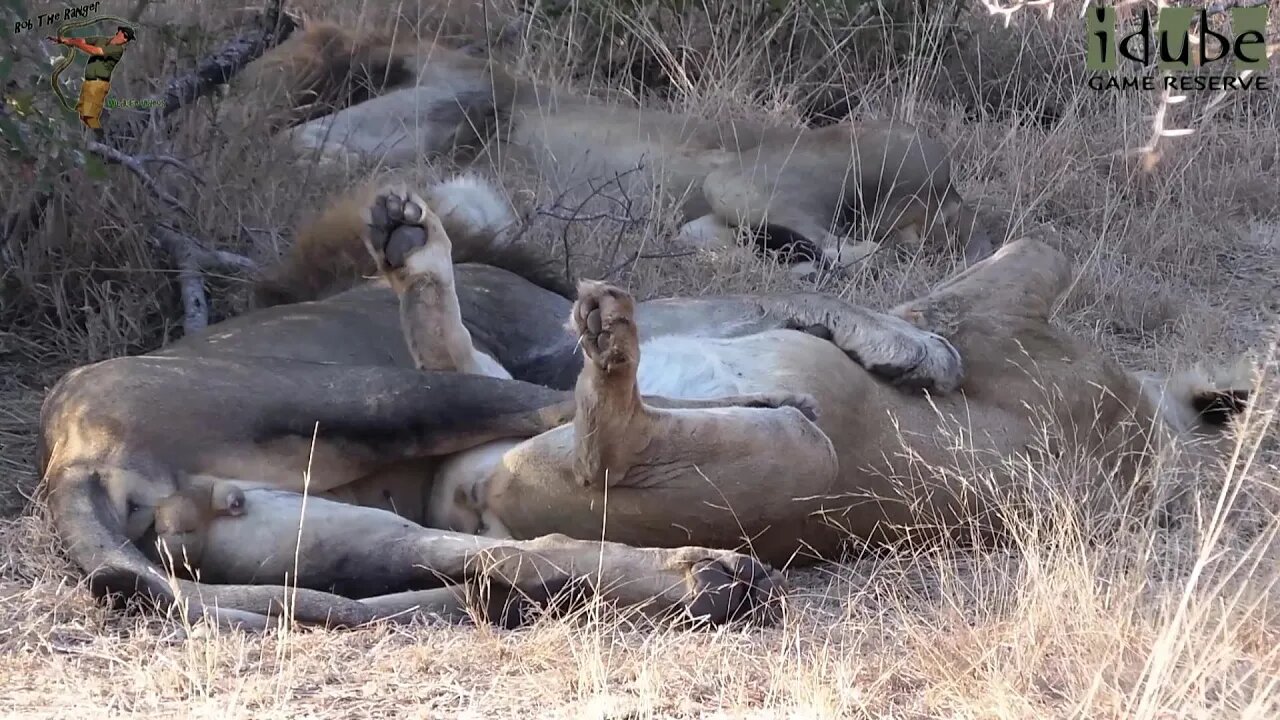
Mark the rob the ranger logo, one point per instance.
(1171, 48)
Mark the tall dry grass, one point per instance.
(1168, 617)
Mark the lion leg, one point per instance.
(1025, 277)
(901, 219)
(896, 351)
(374, 554)
(784, 224)
(885, 344)
(737, 469)
(614, 428)
(411, 248)
(708, 232)
(461, 484)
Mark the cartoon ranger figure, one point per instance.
(104, 54)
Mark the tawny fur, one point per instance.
(324, 68)
(328, 256)
(267, 396)
(1201, 398)
(876, 180)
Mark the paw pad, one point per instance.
(395, 229)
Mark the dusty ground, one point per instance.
(1174, 266)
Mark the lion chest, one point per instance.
(696, 368)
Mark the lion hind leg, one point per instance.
(1023, 278)
(715, 472)
(696, 584)
(411, 248)
(610, 421)
(397, 566)
(456, 604)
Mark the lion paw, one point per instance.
(731, 588)
(927, 361)
(399, 228)
(604, 318)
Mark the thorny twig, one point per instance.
(625, 216)
(1150, 151)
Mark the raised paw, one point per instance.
(604, 319)
(732, 588)
(400, 224)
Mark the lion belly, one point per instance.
(696, 368)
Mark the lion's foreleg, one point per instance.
(728, 469)
(411, 248)
(884, 344)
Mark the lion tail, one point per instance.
(1201, 398)
(328, 253)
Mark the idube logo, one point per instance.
(1240, 54)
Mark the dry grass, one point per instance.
(1174, 621)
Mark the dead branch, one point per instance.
(190, 259)
(219, 259)
(171, 161)
(195, 302)
(193, 261)
(134, 165)
(218, 68)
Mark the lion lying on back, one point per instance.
(782, 424)
(346, 95)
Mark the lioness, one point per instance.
(400, 100)
(328, 397)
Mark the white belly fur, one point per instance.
(696, 368)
